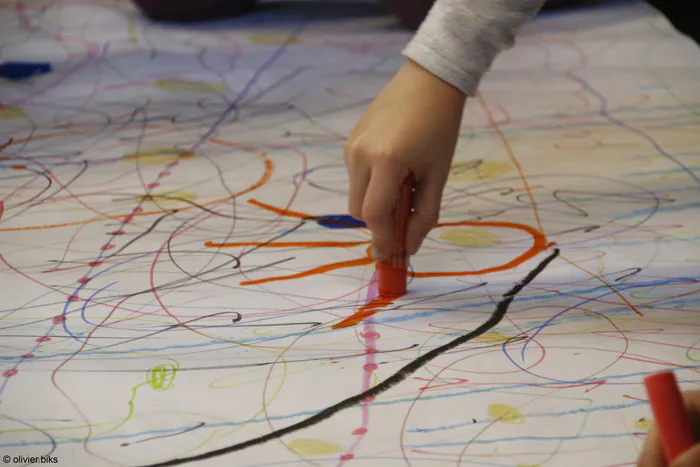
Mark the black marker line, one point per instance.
(141, 235)
(396, 378)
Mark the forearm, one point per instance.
(459, 39)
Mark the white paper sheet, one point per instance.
(130, 164)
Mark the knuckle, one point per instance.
(354, 148)
(387, 157)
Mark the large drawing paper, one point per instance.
(171, 271)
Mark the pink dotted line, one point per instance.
(56, 320)
(370, 336)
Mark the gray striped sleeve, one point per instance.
(459, 39)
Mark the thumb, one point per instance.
(427, 200)
(690, 458)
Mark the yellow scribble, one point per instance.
(470, 237)
(313, 447)
(132, 32)
(506, 414)
(478, 170)
(8, 113)
(643, 424)
(158, 156)
(170, 198)
(181, 85)
(273, 39)
(162, 377)
(492, 338)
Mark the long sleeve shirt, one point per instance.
(459, 39)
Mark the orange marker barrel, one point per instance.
(670, 414)
(392, 272)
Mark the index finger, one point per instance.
(652, 455)
(380, 200)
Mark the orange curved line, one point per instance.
(314, 271)
(281, 212)
(266, 176)
(286, 244)
(539, 245)
(366, 311)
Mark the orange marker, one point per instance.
(670, 414)
(392, 272)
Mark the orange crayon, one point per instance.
(670, 415)
(393, 271)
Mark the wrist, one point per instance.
(429, 82)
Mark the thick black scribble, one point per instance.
(396, 378)
(198, 425)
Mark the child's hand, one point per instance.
(652, 455)
(412, 125)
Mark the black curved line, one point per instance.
(173, 326)
(43, 432)
(556, 194)
(144, 233)
(396, 378)
(629, 274)
(72, 180)
(38, 174)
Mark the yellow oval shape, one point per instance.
(8, 113)
(157, 156)
(506, 414)
(477, 238)
(273, 39)
(643, 424)
(313, 447)
(162, 377)
(478, 170)
(492, 338)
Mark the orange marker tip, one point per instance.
(392, 280)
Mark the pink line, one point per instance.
(370, 336)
